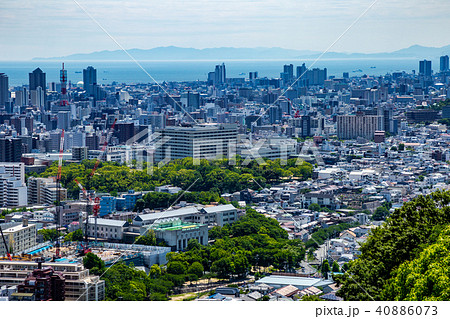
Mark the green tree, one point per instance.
(196, 268)
(425, 278)
(223, 267)
(155, 271)
(49, 234)
(335, 267)
(93, 262)
(140, 205)
(380, 213)
(193, 244)
(325, 268)
(314, 207)
(149, 239)
(76, 235)
(176, 267)
(404, 235)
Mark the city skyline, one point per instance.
(41, 29)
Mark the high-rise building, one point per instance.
(90, 80)
(4, 89)
(275, 114)
(316, 76)
(23, 124)
(38, 79)
(124, 131)
(306, 126)
(63, 120)
(288, 73)
(38, 97)
(44, 191)
(425, 68)
(13, 191)
(19, 99)
(444, 63)
(92, 142)
(80, 153)
(16, 169)
(190, 101)
(220, 74)
(359, 125)
(10, 149)
(199, 142)
(253, 75)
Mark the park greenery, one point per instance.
(251, 244)
(407, 257)
(215, 177)
(49, 234)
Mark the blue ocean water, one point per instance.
(129, 72)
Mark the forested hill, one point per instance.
(407, 258)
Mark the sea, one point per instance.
(130, 72)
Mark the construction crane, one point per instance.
(96, 201)
(58, 194)
(96, 207)
(6, 245)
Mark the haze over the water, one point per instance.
(47, 28)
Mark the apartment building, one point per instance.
(208, 141)
(19, 237)
(44, 191)
(13, 191)
(353, 126)
(79, 285)
(14, 169)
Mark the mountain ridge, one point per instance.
(231, 53)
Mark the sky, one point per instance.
(53, 28)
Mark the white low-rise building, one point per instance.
(177, 233)
(19, 237)
(107, 229)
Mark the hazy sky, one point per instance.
(47, 28)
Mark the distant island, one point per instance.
(228, 53)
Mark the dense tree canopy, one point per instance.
(252, 241)
(426, 277)
(403, 238)
(220, 176)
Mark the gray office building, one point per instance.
(208, 141)
(90, 80)
(425, 68)
(4, 89)
(444, 63)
